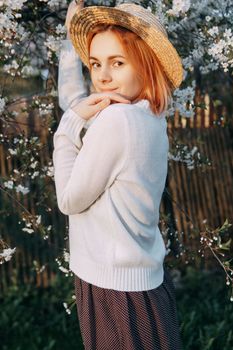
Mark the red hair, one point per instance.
(155, 85)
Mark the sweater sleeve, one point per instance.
(71, 86)
(83, 172)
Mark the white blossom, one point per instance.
(45, 109)
(34, 164)
(12, 151)
(13, 4)
(213, 31)
(60, 29)
(7, 254)
(53, 45)
(29, 71)
(181, 96)
(28, 230)
(22, 189)
(38, 219)
(63, 269)
(66, 256)
(2, 104)
(50, 171)
(185, 156)
(9, 184)
(179, 7)
(66, 308)
(53, 4)
(209, 67)
(220, 50)
(54, 93)
(228, 34)
(8, 67)
(194, 150)
(11, 28)
(35, 174)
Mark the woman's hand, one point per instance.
(72, 9)
(96, 102)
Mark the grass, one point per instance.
(205, 311)
(35, 319)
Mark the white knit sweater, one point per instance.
(110, 184)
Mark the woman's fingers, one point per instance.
(102, 104)
(97, 97)
(118, 97)
(96, 102)
(101, 100)
(79, 3)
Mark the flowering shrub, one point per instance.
(31, 34)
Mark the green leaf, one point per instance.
(225, 226)
(226, 246)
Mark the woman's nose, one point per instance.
(104, 75)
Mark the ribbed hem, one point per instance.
(128, 279)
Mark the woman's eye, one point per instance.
(119, 63)
(92, 64)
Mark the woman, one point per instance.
(110, 182)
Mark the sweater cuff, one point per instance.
(71, 125)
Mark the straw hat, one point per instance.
(139, 20)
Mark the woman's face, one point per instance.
(108, 72)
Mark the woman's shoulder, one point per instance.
(113, 114)
(111, 119)
(141, 107)
(119, 114)
(121, 110)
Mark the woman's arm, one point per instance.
(71, 85)
(83, 172)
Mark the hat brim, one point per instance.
(86, 19)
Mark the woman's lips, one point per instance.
(108, 90)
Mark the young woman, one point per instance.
(110, 181)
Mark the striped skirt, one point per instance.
(118, 320)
